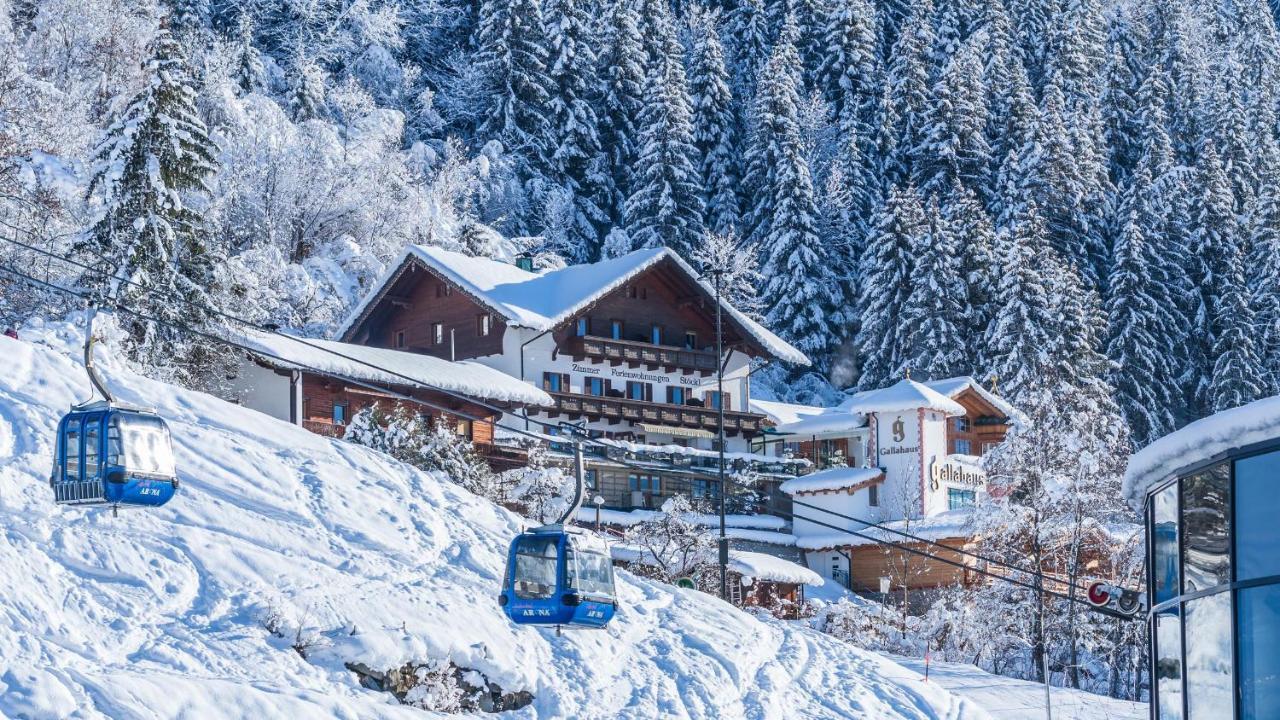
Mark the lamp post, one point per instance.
(724, 537)
(598, 501)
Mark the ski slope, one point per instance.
(158, 614)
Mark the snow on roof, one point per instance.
(759, 566)
(906, 394)
(838, 478)
(627, 518)
(945, 525)
(643, 448)
(782, 412)
(768, 537)
(769, 567)
(834, 420)
(544, 300)
(1198, 442)
(951, 387)
(354, 361)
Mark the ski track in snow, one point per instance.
(158, 613)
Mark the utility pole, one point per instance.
(724, 537)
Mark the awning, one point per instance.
(676, 431)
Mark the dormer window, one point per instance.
(584, 327)
(615, 329)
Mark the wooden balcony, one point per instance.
(616, 409)
(636, 354)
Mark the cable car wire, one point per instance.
(582, 437)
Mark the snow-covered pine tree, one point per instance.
(571, 70)
(885, 285)
(905, 100)
(250, 73)
(307, 100)
(1020, 330)
(1123, 75)
(749, 39)
(511, 54)
(979, 269)
(1140, 325)
(714, 125)
(848, 76)
(618, 108)
(1230, 366)
(188, 19)
(151, 176)
(954, 146)
(800, 287)
(933, 320)
(665, 206)
(1263, 225)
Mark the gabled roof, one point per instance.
(546, 300)
(951, 388)
(833, 479)
(392, 367)
(906, 394)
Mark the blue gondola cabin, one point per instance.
(559, 576)
(112, 455)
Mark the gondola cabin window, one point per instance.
(147, 445)
(595, 573)
(536, 567)
(71, 441)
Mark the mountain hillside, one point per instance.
(163, 613)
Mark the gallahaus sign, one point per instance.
(952, 473)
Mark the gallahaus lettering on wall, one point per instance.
(956, 474)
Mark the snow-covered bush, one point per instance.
(870, 626)
(539, 490)
(674, 545)
(426, 443)
(436, 688)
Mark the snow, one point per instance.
(839, 478)
(1198, 442)
(761, 536)
(644, 449)
(783, 412)
(768, 567)
(354, 361)
(158, 614)
(628, 518)
(545, 300)
(1011, 699)
(944, 525)
(906, 394)
(951, 387)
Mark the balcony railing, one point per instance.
(636, 353)
(640, 411)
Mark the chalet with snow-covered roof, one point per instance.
(321, 384)
(625, 346)
(906, 456)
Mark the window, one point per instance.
(963, 447)
(615, 329)
(584, 327)
(593, 479)
(595, 386)
(339, 414)
(676, 395)
(536, 567)
(633, 292)
(443, 290)
(655, 334)
(957, 499)
(1208, 656)
(1257, 506)
(713, 400)
(1164, 544)
(71, 441)
(691, 340)
(113, 442)
(437, 333)
(1258, 615)
(399, 338)
(962, 424)
(644, 483)
(463, 428)
(873, 496)
(1168, 665)
(639, 390)
(482, 324)
(147, 447)
(594, 572)
(555, 382)
(92, 437)
(705, 489)
(1206, 532)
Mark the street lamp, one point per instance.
(599, 501)
(724, 537)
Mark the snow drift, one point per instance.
(160, 613)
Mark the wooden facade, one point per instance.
(983, 425)
(869, 563)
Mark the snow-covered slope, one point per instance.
(158, 613)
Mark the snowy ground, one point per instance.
(157, 614)
(1010, 699)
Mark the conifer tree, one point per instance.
(953, 144)
(577, 158)
(713, 126)
(979, 268)
(1019, 332)
(799, 289)
(849, 72)
(933, 319)
(511, 55)
(665, 207)
(308, 92)
(151, 174)
(884, 277)
(747, 28)
(250, 73)
(906, 98)
(1264, 276)
(622, 67)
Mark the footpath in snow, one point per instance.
(158, 614)
(1009, 699)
